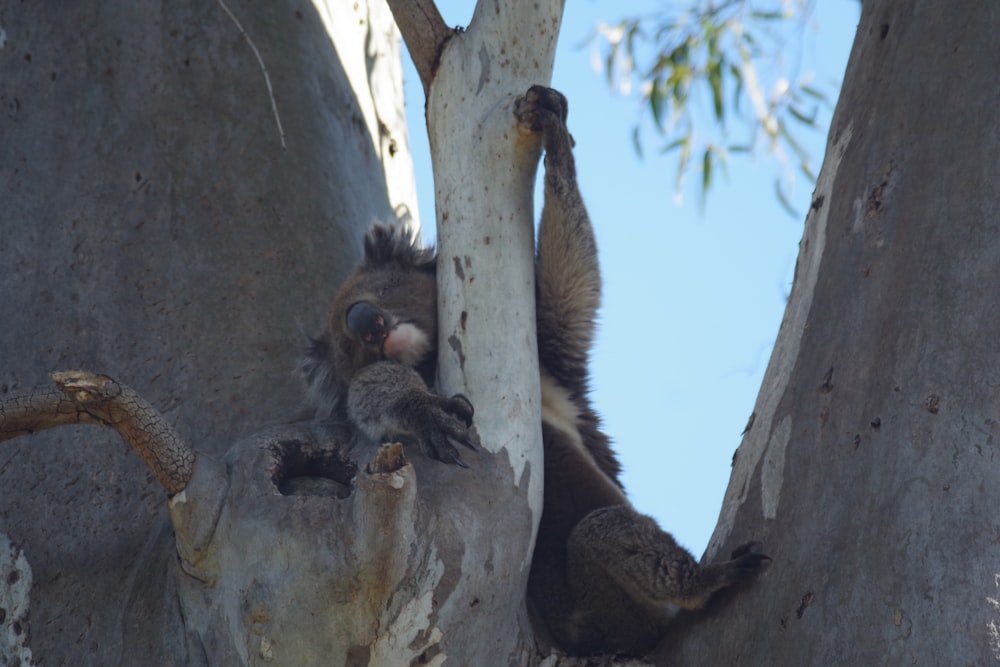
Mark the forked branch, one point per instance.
(82, 397)
(424, 32)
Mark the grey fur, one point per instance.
(603, 575)
(350, 378)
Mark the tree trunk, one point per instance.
(871, 469)
(185, 185)
(484, 179)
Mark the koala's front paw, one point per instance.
(450, 420)
(541, 113)
(540, 108)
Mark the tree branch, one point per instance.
(37, 410)
(88, 398)
(424, 32)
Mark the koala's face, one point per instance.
(384, 312)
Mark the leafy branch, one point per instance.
(684, 64)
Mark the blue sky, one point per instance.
(693, 295)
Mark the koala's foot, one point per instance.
(746, 561)
(648, 564)
(748, 556)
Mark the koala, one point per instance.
(374, 364)
(604, 578)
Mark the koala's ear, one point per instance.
(386, 244)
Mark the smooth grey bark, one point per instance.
(160, 226)
(872, 468)
(484, 178)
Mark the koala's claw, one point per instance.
(461, 407)
(443, 451)
(451, 422)
(747, 560)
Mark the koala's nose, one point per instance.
(368, 323)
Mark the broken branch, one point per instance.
(87, 398)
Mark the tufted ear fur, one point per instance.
(385, 244)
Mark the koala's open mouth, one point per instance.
(307, 469)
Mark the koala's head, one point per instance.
(387, 309)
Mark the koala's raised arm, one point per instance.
(603, 575)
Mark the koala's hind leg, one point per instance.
(615, 552)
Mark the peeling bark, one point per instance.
(88, 398)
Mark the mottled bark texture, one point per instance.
(88, 398)
(303, 546)
(160, 227)
(872, 469)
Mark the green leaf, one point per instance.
(703, 53)
(656, 102)
(681, 85)
(682, 162)
(783, 200)
(796, 147)
(636, 143)
(677, 143)
(715, 83)
(737, 75)
(815, 94)
(681, 54)
(802, 118)
(706, 170)
(768, 16)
